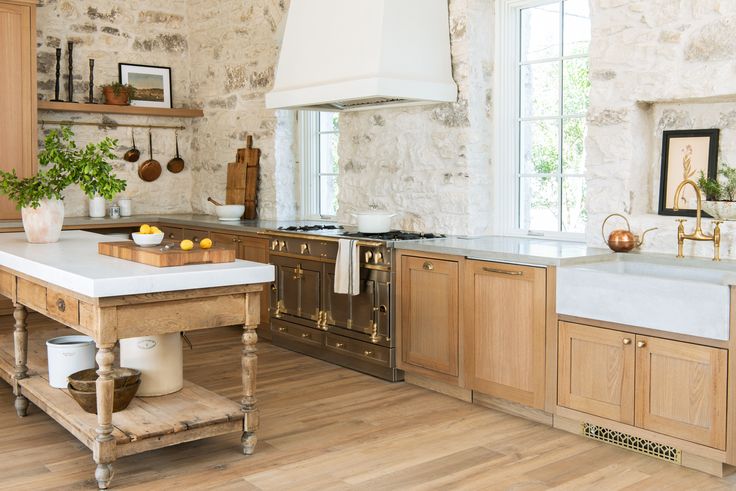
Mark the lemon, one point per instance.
(156, 230)
(205, 243)
(145, 229)
(186, 245)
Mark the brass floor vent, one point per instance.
(640, 445)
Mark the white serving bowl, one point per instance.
(147, 240)
(229, 212)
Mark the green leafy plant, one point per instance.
(117, 88)
(723, 188)
(63, 164)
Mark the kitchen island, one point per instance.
(110, 299)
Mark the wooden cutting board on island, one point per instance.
(161, 257)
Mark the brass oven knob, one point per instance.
(282, 246)
(274, 245)
(377, 257)
(304, 248)
(368, 256)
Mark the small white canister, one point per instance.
(67, 355)
(126, 207)
(160, 360)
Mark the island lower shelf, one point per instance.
(147, 424)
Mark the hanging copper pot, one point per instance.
(150, 170)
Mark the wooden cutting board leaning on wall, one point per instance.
(242, 179)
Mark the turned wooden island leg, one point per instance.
(250, 368)
(104, 450)
(20, 338)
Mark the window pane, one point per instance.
(328, 153)
(576, 86)
(574, 214)
(539, 204)
(328, 121)
(540, 32)
(539, 88)
(577, 27)
(328, 195)
(573, 146)
(540, 141)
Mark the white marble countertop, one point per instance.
(74, 264)
(543, 252)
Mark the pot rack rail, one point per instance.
(107, 125)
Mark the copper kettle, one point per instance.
(621, 240)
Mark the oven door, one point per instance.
(365, 315)
(297, 295)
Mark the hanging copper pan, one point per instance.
(176, 164)
(150, 170)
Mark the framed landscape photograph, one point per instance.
(685, 154)
(152, 84)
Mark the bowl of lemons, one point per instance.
(148, 236)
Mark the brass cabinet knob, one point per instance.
(61, 305)
(339, 345)
(195, 239)
(641, 344)
(234, 239)
(171, 236)
(428, 266)
(626, 341)
(368, 353)
(282, 329)
(306, 335)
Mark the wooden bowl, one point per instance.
(121, 398)
(85, 381)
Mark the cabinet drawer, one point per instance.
(63, 307)
(364, 351)
(224, 239)
(298, 333)
(194, 235)
(171, 233)
(31, 295)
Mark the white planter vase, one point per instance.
(97, 207)
(43, 224)
(721, 210)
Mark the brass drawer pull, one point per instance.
(306, 335)
(61, 305)
(171, 236)
(428, 266)
(339, 345)
(626, 341)
(282, 329)
(503, 271)
(368, 353)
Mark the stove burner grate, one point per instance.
(393, 235)
(310, 228)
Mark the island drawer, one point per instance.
(62, 306)
(358, 349)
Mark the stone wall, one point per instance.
(150, 32)
(655, 65)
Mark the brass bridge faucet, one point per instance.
(698, 233)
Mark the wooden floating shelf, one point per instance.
(110, 109)
(148, 423)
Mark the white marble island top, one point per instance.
(74, 264)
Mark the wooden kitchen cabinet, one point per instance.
(18, 132)
(429, 317)
(669, 387)
(681, 390)
(172, 233)
(505, 321)
(596, 371)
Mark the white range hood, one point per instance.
(341, 55)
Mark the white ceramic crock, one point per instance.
(721, 210)
(374, 222)
(160, 360)
(67, 355)
(97, 207)
(42, 225)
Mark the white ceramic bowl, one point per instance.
(374, 222)
(147, 240)
(721, 210)
(230, 212)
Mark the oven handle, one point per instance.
(296, 235)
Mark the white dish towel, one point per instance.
(347, 267)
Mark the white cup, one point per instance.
(126, 207)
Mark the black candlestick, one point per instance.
(91, 80)
(58, 75)
(70, 88)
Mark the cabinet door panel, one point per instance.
(596, 371)
(506, 306)
(681, 390)
(430, 314)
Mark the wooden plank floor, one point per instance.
(328, 428)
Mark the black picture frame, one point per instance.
(674, 140)
(124, 71)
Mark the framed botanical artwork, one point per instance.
(685, 154)
(152, 84)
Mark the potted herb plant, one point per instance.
(94, 174)
(720, 193)
(118, 94)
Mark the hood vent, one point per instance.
(348, 55)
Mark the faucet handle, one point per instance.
(681, 220)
